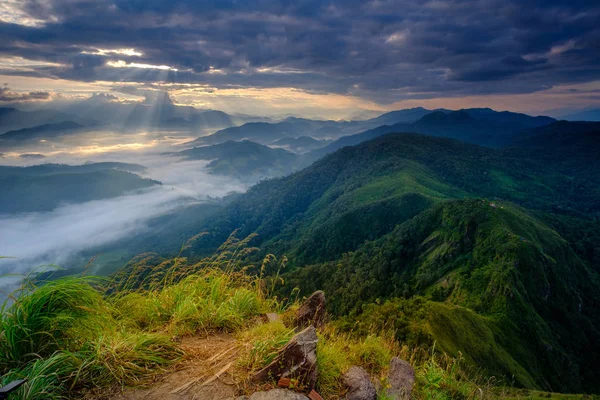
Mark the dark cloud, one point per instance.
(8, 96)
(382, 49)
(35, 156)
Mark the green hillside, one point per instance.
(367, 182)
(485, 256)
(45, 187)
(243, 160)
(502, 288)
(466, 228)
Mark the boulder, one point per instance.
(297, 360)
(359, 385)
(272, 317)
(275, 394)
(401, 379)
(312, 311)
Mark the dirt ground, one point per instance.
(207, 374)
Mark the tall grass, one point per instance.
(75, 333)
(79, 332)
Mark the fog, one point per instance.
(56, 237)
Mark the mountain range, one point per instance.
(244, 160)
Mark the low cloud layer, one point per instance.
(8, 96)
(57, 237)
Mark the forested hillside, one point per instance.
(45, 187)
(463, 227)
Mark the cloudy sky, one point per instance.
(307, 57)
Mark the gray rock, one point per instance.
(275, 394)
(401, 379)
(273, 317)
(312, 311)
(359, 385)
(297, 360)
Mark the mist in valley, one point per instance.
(66, 236)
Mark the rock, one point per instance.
(272, 317)
(359, 385)
(401, 379)
(312, 311)
(297, 360)
(275, 394)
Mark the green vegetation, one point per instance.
(478, 266)
(76, 333)
(27, 189)
(474, 229)
(243, 160)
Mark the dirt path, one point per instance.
(208, 373)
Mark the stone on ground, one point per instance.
(401, 379)
(275, 394)
(359, 385)
(297, 360)
(312, 311)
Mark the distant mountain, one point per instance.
(45, 187)
(167, 115)
(259, 132)
(292, 127)
(400, 116)
(570, 146)
(43, 131)
(481, 126)
(13, 119)
(50, 169)
(301, 144)
(244, 160)
(156, 112)
(513, 120)
(584, 115)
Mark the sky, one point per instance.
(329, 59)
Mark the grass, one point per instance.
(77, 332)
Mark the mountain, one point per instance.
(292, 127)
(571, 147)
(244, 160)
(301, 144)
(170, 116)
(42, 132)
(156, 111)
(409, 115)
(497, 286)
(584, 115)
(259, 132)
(49, 169)
(13, 119)
(575, 137)
(363, 183)
(481, 126)
(519, 120)
(468, 229)
(45, 187)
